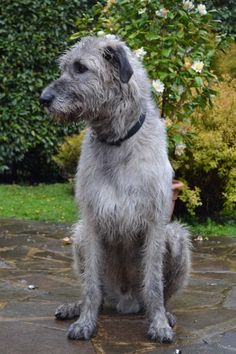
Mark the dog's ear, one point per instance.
(117, 56)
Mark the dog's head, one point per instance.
(96, 74)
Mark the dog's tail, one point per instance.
(177, 259)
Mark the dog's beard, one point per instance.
(63, 117)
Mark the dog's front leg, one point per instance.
(159, 328)
(85, 326)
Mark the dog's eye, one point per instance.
(79, 68)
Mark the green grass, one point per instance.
(210, 228)
(48, 202)
(55, 202)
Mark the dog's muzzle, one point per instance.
(46, 98)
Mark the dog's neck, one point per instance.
(115, 122)
(111, 129)
(132, 131)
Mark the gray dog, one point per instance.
(126, 251)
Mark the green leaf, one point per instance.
(166, 52)
(198, 81)
(162, 75)
(152, 36)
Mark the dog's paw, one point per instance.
(171, 319)
(81, 330)
(163, 335)
(68, 311)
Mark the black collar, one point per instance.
(135, 128)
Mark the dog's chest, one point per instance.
(122, 190)
(113, 190)
(105, 182)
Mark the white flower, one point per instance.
(141, 11)
(162, 12)
(197, 66)
(202, 9)
(101, 33)
(110, 36)
(158, 86)
(188, 5)
(140, 53)
(179, 149)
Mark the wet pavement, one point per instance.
(33, 253)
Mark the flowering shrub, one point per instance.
(210, 164)
(177, 44)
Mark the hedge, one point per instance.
(225, 15)
(33, 34)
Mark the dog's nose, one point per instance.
(46, 98)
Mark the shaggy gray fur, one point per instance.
(126, 251)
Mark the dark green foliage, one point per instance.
(226, 14)
(33, 34)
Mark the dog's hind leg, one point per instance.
(177, 259)
(176, 262)
(153, 293)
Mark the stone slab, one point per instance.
(26, 337)
(34, 253)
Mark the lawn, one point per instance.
(49, 202)
(55, 202)
(211, 228)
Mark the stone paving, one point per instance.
(33, 253)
